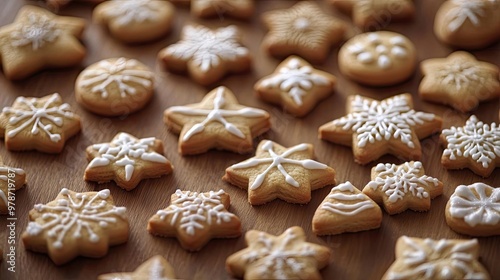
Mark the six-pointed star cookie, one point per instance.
(11, 179)
(218, 121)
(459, 80)
(76, 224)
(475, 146)
(278, 172)
(241, 9)
(296, 85)
(401, 187)
(303, 29)
(43, 124)
(155, 268)
(126, 160)
(374, 128)
(195, 218)
(287, 256)
(38, 39)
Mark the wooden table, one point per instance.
(364, 255)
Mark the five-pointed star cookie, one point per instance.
(76, 224)
(374, 128)
(155, 268)
(218, 121)
(11, 179)
(287, 256)
(126, 160)
(459, 80)
(296, 85)
(195, 218)
(401, 187)
(303, 29)
(241, 9)
(278, 172)
(43, 124)
(476, 146)
(39, 39)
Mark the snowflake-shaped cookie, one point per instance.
(207, 55)
(240, 9)
(11, 179)
(287, 256)
(195, 218)
(155, 268)
(475, 146)
(374, 128)
(436, 259)
(278, 172)
(43, 124)
(76, 224)
(401, 187)
(126, 160)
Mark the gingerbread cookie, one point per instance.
(304, 30)
(346, 209)
(126, 160)
(11, 180)
(207, 55)
(135, 21)
(470, 24)
(287, 256)
(43, 124)
(459, 80)
(278, 172)
(218, 121)
(474, 146)
(115, 86)
(76, 224)
(418, 258)
(240, 9)
(155, 268)
(379, 58)
(296, 86)
(38, 39)
(195, 218)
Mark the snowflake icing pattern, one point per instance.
(37, 31)
(476, 209)
(131, 11)
(460, 74)
(464, 10)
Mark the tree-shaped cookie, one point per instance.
(155, 268)
(11, 179)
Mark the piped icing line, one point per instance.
(472, 204)
(339, 193)
(135, 11)
(464, 10)
(37, 31)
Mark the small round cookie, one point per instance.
(115, 86)
(379, 58)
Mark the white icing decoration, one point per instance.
(301, 23)
(384, 51)
(123, 151)
(398, 181)
(207, 48)
(276, 161)
(348, 209)
(295, 79)
(37, 31)
(463, 10)
(375, 121)
(157, 271)
(460, 73)
(476, 208)
(193, 209)
(134, 11)
(74, 216)
(121, 73)
(35, 115)
(475, 140)
(217, 114)
(5, 178)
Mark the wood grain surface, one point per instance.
(364, 255)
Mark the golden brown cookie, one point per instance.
(76, 224)
(11, 180)
(57, 4)
(195, 218)
(296, 86)
(240, 9)
(287, 256)
(278, 172)
(155, 268)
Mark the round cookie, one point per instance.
(114, 86)
(379, 58)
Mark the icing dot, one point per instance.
(63, 202)
(301, 24)
(373, 38)
(397, 40)
(104, 194)
(57, 244)
(398, 51)
(365, 57)
(103, 224)
(94, 238)
(381, 49)
(64, 191)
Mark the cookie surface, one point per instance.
(11, 180)
(240, 9)
(155, 268)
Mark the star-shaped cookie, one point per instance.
(218, 121)
(287, 256)
(240, 9)
(296, 85)
(155, 268)
(126, 160)
(459, 80)
(304, 29)
(278, 172)
(43, 124)
(476, 146)
(374, 128)
(11, 179)
(38, 39)
(195, 218)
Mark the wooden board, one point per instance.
(364, 255)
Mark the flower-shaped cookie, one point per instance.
(76, 224)
(155, 268)
(11, 179)
(240, 9)
(39, 39)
